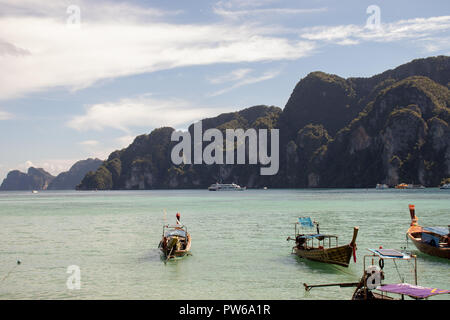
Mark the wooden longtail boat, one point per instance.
(322, 247)
(434, 241)
(175, 242)
(371, 286)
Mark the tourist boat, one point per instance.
(381, 186)
(226, 187)
(175, 242)
(434, 241)
(371, 286)
(34, 191)
(322, 247)
(409, 186)
(445, 186)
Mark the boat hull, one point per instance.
(339, 255)
(428, 249)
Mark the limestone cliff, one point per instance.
(34, 179)
(334, 132)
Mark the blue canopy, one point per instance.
(390, 254)
(305, 222)
(310, 236)
(176, 232)
(430, 239)
(442, 231)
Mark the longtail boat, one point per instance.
(434, 241)
(322, 247)
(371, 286)
(176, 241)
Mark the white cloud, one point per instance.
(125, 141)
(89, 10)
(234, 14)
(244, 3)
(142, 111)
(231, 76)
(416, 29)
(238, 9)
(38, 51)
(89, 143)
(244, 79)
(5, 115)
(121, 44)
(52, 166)
(432, 45)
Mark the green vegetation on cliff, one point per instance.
(334, 132)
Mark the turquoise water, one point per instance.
(239, 247)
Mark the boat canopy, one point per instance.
(411, 290)
(312, 236)
(430, 239)
(176, 232)
(390, 254)
(442, 231)
(306, 222)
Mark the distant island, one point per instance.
(39, 179)
(334, 133)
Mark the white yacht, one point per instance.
(226, 187)
(382, 186)
(445, 186)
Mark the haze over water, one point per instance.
(239, 247)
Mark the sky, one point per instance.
(81, 79)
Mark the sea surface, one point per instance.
(239, 247)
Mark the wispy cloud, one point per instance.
(143, 111)
(100, 49)
(5, 115)
(244, 3)
(89, 143)
(242, 78)
(90, 10)
(234, 14)
(238, 9)
(415, 29)
(431, 45)
(234, 75)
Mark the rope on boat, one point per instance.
(407, 241)
(10, 271)
(165, 216)
(168, 256)
(342, 270)
(411, 266)
(398, 272)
